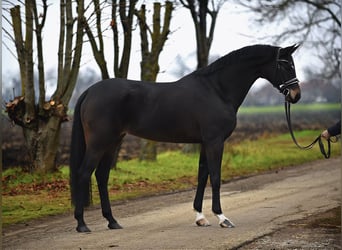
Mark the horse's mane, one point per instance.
(249, 53)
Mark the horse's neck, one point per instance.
(236, 84)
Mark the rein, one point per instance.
(325, 153)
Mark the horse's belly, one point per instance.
(176, 134)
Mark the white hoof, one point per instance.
(224, 221)
(201, 221)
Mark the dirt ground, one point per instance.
(294, 208)
(319, 231)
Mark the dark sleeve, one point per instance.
(335, 130)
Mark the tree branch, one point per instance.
(121, 67)
(98, 51)
(71, 80)
(19, 44)
(60, 63)
(39, 39)
(321, 6)
(29, 84)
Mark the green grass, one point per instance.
(28, 196)
(22, 208)
(295, 107)
(271, 153)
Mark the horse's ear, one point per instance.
(285, 52)
(295, 47)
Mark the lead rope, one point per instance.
(318, 139)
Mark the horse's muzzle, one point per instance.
(293, 96)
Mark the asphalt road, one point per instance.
(258, 205)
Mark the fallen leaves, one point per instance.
(53, 187)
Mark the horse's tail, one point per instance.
(77, 151)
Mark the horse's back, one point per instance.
(107, 94)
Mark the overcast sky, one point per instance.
(234, 29)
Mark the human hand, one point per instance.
(325, 134)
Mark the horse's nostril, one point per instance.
(296, 98)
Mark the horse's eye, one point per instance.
(287, 64)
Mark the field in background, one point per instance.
(256, 121)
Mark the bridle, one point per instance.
(285, 85)
(284, 88)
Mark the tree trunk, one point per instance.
(148, 150)
(41, 134)
(43, 144)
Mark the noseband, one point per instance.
(285, 85)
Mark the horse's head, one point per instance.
(283, 74)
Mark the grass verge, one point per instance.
(319, 107)
(27, 196)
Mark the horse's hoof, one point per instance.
(203, 222)
(82, 229)
(114, 226)
(227, 224)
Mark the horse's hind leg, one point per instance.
(102, 175)
(89, 163)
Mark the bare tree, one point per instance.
(317, 23)
(41, 120)
(199, 11)
(94, 30)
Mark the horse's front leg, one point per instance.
(203, 174)
(214, 153)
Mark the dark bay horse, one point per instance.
(199, 108)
